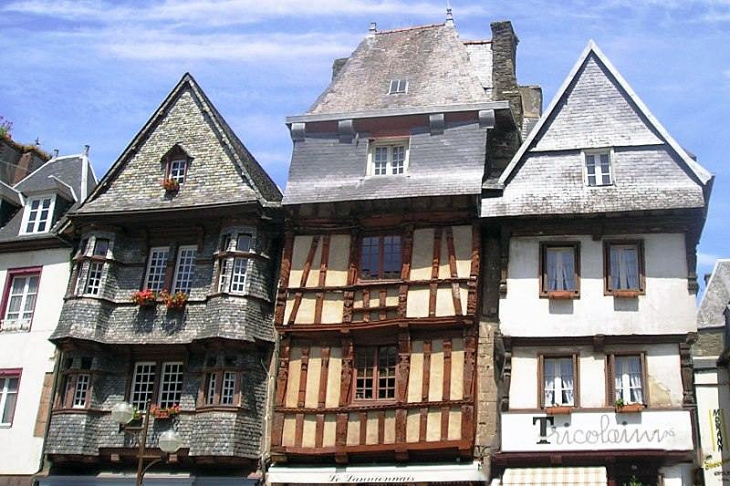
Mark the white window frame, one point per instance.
(177, 171)
(598, 173)
(228, 388)
(239, 274)
(171, 384)
(398, 86)
(93, 278)
(623, 375)
(158, 264)
(4, 393)
(389, 144)
(150, 379)
(81, 390)
(23, 320)
(184, 269)
(234, 262)
(212, 382)
(37, 220)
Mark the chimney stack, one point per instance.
(449, 18)
(373, 29)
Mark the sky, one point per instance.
(77, 72)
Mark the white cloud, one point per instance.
(706, 259)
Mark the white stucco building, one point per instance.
(34, 270)
(600, 213)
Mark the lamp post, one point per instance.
(169, 441)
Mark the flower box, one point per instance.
(561, 294)
(145, 298)
(164, 413)
(559, 410)
(174, 301)
(170, 185)
(626, 294)
(630, 408)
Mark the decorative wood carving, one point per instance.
(400, 425)
(404, 366)
(366, 304)
(447, 369)
(349, 295)
(685, 360)
(506, 374)
(467, 422)
(299, 430)
(347, 370)
(363, 427)
(323, 374)
(435, 262)
(470, 351)
(426, 370)
(323, 262)
(341, 430)
(423, 425)
(303, 376)
(383, 302)
(690, 245)
(445, 422)
(319, 431)
(472, 303)
(283, 371)
(455, 290)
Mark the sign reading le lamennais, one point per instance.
(658, 430)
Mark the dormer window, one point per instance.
(38, 215)
(177, 170)
(597, 170)
(176, 163)
(388, 157)
(398, 86)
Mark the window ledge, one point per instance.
(630, 408)
(562, 295)
(559, 410)
(221, 408)
(625, 294)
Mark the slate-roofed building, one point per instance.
(385, 367)
(169, 304)
(710, 358)
(600, 212)
(34, 268)
(18, 160)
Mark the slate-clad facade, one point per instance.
(185, 212)
(385, 358)
(599, 214)
(34, 268)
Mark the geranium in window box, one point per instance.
(164, 412)
(558, 409)
(174, 301)
(622, 407)
(145, 298)
(561, 294)
(170, 185)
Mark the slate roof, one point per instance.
(432, 58)
(716, 297)
(596, 108)
(222, 170)
(61, 176)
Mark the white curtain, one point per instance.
(624, 267)
(566, 375)
(560, 269)
(628, 379)
(635, 379)
(558, 385)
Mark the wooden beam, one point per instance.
(472, 301)
(363, 418)
(383, 302)
(299, 430)
(303, 281)
(349, 294)
(347, 370)
(303, 376)
(405, 273)
(323, 262)
(435, 262)
(323, 376)
(319, 431)
(283, 371)
(447, 369)
(469, 365)
(455, 288)
(427, 345)
(445, 422)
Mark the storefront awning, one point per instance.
(555, 476)
(410, 473)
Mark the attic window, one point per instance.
(38, 215)
(398, 86)
(176, 170)
(598, 168)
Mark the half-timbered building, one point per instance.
(169, 307)
(600, 213)
(378, 306)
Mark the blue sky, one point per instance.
(78, 72)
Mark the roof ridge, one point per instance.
(406, 29)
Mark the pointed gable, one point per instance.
(597, 118)
(217, 167)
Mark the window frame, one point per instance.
(149, 265)
(176, 278)
(89, 259)
(381, 257)
(27, 210)
(218, 374)
(228, 256)
(541, 378)
(5, 375)
(400, 84)
(597, 153)
(641, 268)
(611, 376)
(376, 352)
(179, 178)
(155, 395)
(11, 274)
(545, 246)
(66, 398)
(389, 143)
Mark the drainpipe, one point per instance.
(45, 465)
(84, 174)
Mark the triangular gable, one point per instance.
(250, 180)
(655, 133)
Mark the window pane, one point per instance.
(381, 161)
(624, 267)
(628, 379)
(558, 381)
(238, 277)
(365, 366)
(185, 269)
(171, 385)
(243, 243)
(101, 246)
(93, 281)
(81, 391)
(391, 257)
(9, 407)
(210, 389)
(386, 372)
(156, 268)
(143, 384)
(177, 171)
(39, 215)
(225, 267)
(370, 258)
(229, 388)
(399, 158)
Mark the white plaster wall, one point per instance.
(711, 388)
(662, 364)
(667, 307)
(20, 451)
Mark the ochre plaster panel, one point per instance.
(310, 430)
(389, 436)
(433, 427)
(422, 254)
(415, 378)
(305, 315)
(436, 380)
(454, 423)
(457, 369)
(371, 434)
(332, 308)
(463, 247)
(417, 302)
(329, 436)
(413, 425)
(292, 384)
(334, 377)
(313, 278)
(445, 301)
(353, 429)
(338, 260)
(290, 425)
(299, 257)
(311, 394)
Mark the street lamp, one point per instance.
(169, 441)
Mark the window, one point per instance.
(81, 390)
(176, 170)
(598, 168)
(38, 215)
(558, 383)
(9, 381)
(560, 269)
(156, 267)
(76, 388)
(222, 383)
(19, 299)
(375, 373)
(388, 158)
(380, 257)
(624, 267)
(628, 374)
(93, 264)
(144, 381)
(93, 280)
(184, 269)
(398, 86)
(233, 256)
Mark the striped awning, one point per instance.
(555, 476)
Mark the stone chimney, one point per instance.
(504, 67)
